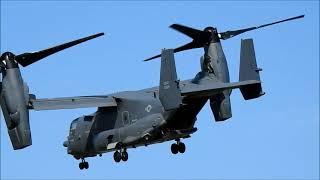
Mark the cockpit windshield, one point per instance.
(74, 124)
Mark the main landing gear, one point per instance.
(178, 147)
(120, 155)
(83, 164)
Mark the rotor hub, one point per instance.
(7, 56)
(8, 60)
(213, 36)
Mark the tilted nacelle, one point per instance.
(221, 107)
(14, 102)
(220, 104)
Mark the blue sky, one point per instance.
(273, 137)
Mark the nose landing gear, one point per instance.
(83, 164)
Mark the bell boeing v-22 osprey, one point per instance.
(136, 118)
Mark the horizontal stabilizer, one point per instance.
(210, 89)
(249, 70)
(72, 102)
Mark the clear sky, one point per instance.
(273, 137)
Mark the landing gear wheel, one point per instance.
(117, 156)
(86, 165)
(181, 147)
(81, 165)
(174, 148)
(124, 156)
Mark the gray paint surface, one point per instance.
(135, 118)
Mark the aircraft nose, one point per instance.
(65, 143)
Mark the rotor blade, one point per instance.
(153, 57)
(192, 33)
(26, 59)
(230, 34)
(200, 38)
(190, 45)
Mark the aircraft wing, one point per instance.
(210, 88)
(71, 102)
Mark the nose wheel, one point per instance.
(83, 164)
(178, 147)
(120, 155)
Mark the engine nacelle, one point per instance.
(14, 102)
(221, 107)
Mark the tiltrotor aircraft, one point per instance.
(136, 118)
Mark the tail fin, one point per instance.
(169, 91)
(249, 70)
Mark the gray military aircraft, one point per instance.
(136, 118)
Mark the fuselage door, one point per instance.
(125, 118)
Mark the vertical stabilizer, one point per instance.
(169, 91)
(249, 70)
